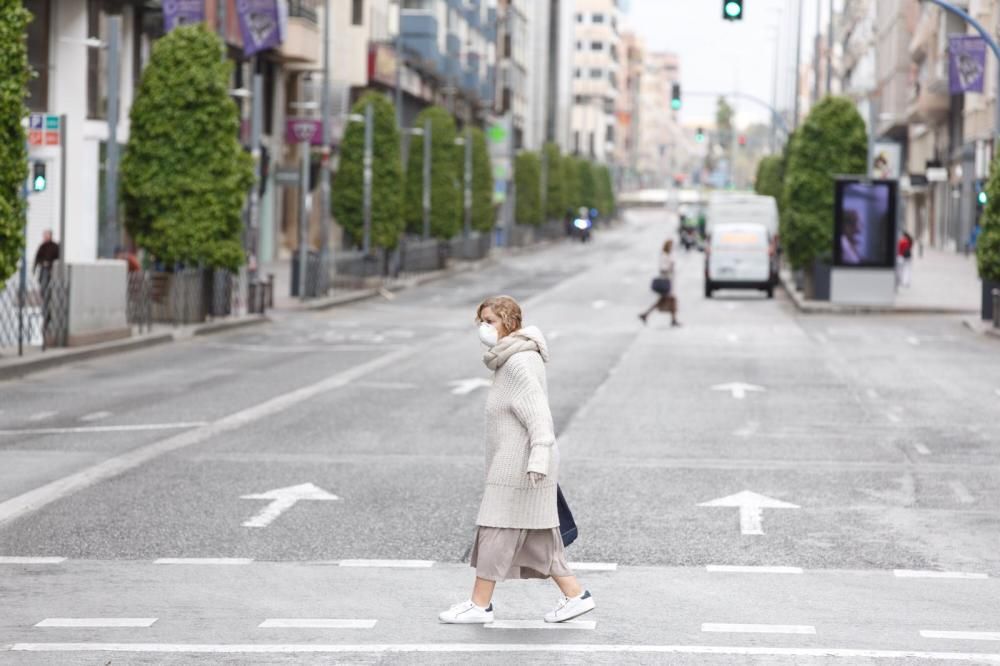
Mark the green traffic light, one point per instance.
(39, 184)
(675, 104)
(699, 137)
(983, 198)
(733, 9)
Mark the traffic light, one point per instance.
(38, 179)
(699, 135)
(732, 10)
(675, 97)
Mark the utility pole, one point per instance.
(325, 265)
(111, 233)
(427, 179)
(256, 118)
(369, 122)
(798, 64)
(304, 187)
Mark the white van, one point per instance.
(739, 256)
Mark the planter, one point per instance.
(178, 298)
(987, 308)
(820, 281)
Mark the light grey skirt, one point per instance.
(502, 553)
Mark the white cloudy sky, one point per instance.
(721, 56)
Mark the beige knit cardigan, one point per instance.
(519, 436)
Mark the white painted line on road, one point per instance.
(751, 506)
(95, 416)
(203, 560)
(508, 648)
(41, 416)
(467, 386)
(758, 628)
(738, 390)
(963, 635)
(315, 623)
(872, 393)
(391, 564)
(97, 622)
(962, 493)
(822, 339)
(283, 499)
(732, 338)
(913, 340)
(922, 449)
(387, 386)
(112, 467)
(726, 568)
(593, 566)
(916, 573)
(894, 417)
(116, 428)
(747, 430)
(599, 305)
(31, 560)
(585, 625)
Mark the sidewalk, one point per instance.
(941, 283)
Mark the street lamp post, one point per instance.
(427, 179)
(324, 164)
(111, 156)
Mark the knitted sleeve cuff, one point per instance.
(540, 458)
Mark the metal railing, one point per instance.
(35, 316)
(192, 296)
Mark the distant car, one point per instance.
(739, 256)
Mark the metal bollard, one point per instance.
(996, 308)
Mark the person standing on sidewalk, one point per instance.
(904, 261)
(517, 533)
(667, 302)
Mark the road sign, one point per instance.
(309, 130)
(43, 130)
(283, 499)
(751, 506)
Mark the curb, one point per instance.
(981, 327)
(824, 307)
(20, 367)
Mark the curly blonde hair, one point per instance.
(504, 307)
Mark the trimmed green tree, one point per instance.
(988, 243)
(605, 192)
(528, 188)
(483, 213)
(555, 200)
(347, 202)
(14, 73)
(831, 141)
(587, 184)
(770, 174)
(445, 200)
(571, 184)
(185, 175)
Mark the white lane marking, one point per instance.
(917, 573)
(922, 449)
(315, 623)
(822, 339)
(962, 493)
(732, 338)
(751, 506)
(913, 340)
(95, 416)
(392, 564)
(31, 560)
(872, 393)
(758, 628)
(203, 560)
(894, 417)
(41, 416)
(116, 428)
(387, 386)
(963, 635)
(747, 430)
(738, 390)
(283, 499)
(585, 625)
(50, 492)
(594, 566)
(599, 305)
(486, 648)
(467, 386)
(97, 622)
(997, 391)
(726, 568)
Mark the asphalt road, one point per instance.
(877, 439)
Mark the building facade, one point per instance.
(596, 72)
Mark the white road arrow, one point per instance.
(751, 506)
(738, 389)
(467, 386)
(283, 499)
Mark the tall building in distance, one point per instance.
(596, 72)
(661, 149)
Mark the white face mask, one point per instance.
(488, 335)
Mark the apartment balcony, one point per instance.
(303, 41)
(419, 33)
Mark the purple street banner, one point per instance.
(298, 130)
(182, 12)
(967, 63)
(261, 24)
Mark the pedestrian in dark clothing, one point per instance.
(46, 256)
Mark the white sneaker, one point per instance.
(570, 608)
(467, 613)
